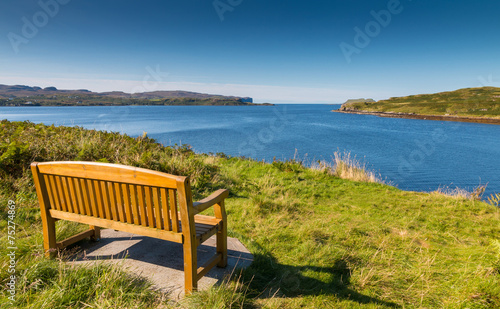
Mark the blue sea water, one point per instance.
(417, 155)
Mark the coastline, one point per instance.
(115, 105)
(424, 117)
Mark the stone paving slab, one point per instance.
(160, 261)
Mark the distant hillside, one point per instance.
(474, 104)
(362, 100)
(171, 95)
(14, 91)
(19, 95)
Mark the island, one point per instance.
(20, 95)
(480, 105)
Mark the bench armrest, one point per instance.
(215, 198)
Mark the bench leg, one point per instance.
(221, 240)
(49, 237)
(190, 268)
(97, 232)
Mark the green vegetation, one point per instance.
(468, 102)
(99, 100)
(19, 95)
(362, 100)
(318, 240)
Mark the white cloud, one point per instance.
(260, 93)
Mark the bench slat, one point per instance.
(55, 192)
(142, 208)
(119, 226)
(63, 194)
(75, 186)
(113, 204)
(67, 197)
(204, 231)
(173, 210)
(92, 198)
(157, 208)
(126, 200)
(103, 194)
(48, 188)
(149, 206)
(60, 194)
(119, 202)
(133, 199)
(167, 225)
(99, 199)
(85, 197)
(202, 228)
(111, 200)
(78, 196)
(71, 195)
(110, 172)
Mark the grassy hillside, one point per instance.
(319, 241)
(99, 100)
(469, 102)
(19, 95)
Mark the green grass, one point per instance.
(470, 102)
(318, 240)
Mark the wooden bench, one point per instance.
(130, 199)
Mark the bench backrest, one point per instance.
(116, 192)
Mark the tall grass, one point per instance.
(24, 142)
(494, 199)
(349, 167)
(55, 284)
(231, 293)
(461, 193)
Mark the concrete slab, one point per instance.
(158, 260)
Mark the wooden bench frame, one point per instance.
(130, 199)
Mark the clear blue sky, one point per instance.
(274, 51)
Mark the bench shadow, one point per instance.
(279, 280)
(160, 254)
(265, 276)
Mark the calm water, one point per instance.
(415, 155)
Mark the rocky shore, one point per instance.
(418, 116)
